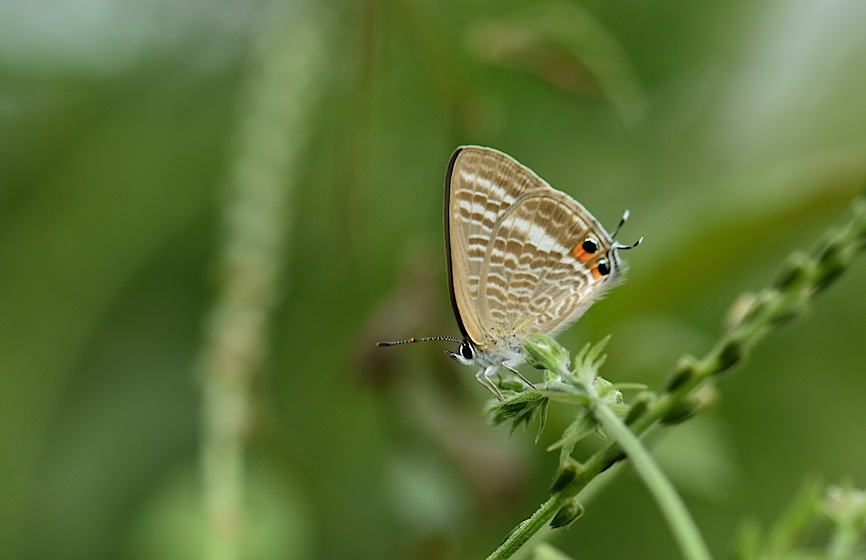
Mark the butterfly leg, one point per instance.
(483, 377)
(517, 373)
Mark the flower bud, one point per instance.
(567, 473)
(542, 352)
(685, 371)
(568, 514)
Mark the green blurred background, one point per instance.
(734, 131)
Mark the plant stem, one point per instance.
(682, 525)
(525, 530)
(282, 87)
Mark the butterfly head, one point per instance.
(465, 354)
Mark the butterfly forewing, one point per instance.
(511, 243)
(479, 188)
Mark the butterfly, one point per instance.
(522, 258)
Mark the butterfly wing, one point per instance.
(511, 244)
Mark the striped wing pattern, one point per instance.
(511, 240)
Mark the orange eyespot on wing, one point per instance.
(600, 269)
(586, 250)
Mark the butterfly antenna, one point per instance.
(413, 340)
(622, 222)
(627, 247)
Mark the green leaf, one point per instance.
(542, 418)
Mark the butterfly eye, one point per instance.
(590, 245)
(466, 350)
(603, 267)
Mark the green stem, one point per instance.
(523, 532)
(682, 525)
(528, 528)
(283, 87)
